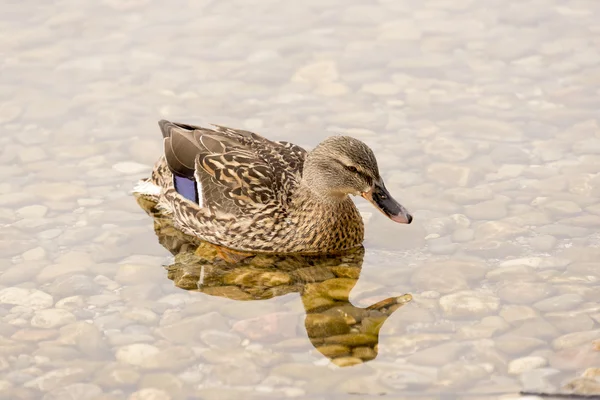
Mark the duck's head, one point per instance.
(341, 166)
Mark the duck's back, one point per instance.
(233, 171)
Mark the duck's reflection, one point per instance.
(346, 334)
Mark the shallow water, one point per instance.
(484, 119)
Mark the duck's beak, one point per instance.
(383, 201)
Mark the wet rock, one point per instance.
(520, 273)
(447, 276)
(559, 303)
(253, 278)
(71, 285)
(488, 327)
(575, 339)
(338, 288)
(583, 386)
(463, 235)
(320, 325)
(316, 274)
(461, 374)
(516, 345)
(86, 337)
(346, 361)
(447, 149)
(537, 328)
(569, 323)
(71, 303)
(403, 376)
(315, 300)
(345, 272)
(219, 339)
(243, 372)
(498, 230)
(348, 312)
(523, 364)
(525, 292)
(274, 325)
(51, 318)
(138, 354)
(230, 292)
(543, 242)
(150, 394)
(364, 353)
(187, 330)
(353, 339)
(514, 313)
(57, 378)
(334, 350)
(438, 355)
(137, 273)
(76, 391)
(493, 249)
(29, 298)
(470, 304)
(487, 210)
(450, 174)
(35, 254)
(114, 376)
(562, 208)
(34, 335)
(19, 273)
(167, 382)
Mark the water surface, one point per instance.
(484, 119)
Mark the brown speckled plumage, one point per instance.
(254, 196)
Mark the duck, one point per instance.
(237, 189)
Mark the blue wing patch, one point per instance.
(186, 187)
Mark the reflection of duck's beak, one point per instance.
(383, 200)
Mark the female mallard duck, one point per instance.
(237, 189)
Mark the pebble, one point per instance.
(150, 394)
(497, 157)
(51, 318)
(34, 211)
(525, 292)
(438, 356)
(29, 298)
(136, 354)
(575, 339)
(559, 303)
(188, 330)
(523, 364)
(76, 391)
(450, 174)
(543, 242)
(469, 304)
(487, 210)
(35, 254)
(129, 167)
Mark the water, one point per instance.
(484, 119)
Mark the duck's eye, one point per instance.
(352, 169)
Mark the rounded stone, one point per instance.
(137, 354)
(150, 394)
(321, 325)
(559, 303)
(469, 304)
(52, 318)
(487, 210)
(29, 298)
(33, 211)
(525, 292)
(524, 364)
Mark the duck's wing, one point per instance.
(229, 170)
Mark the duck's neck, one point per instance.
(325, 223)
